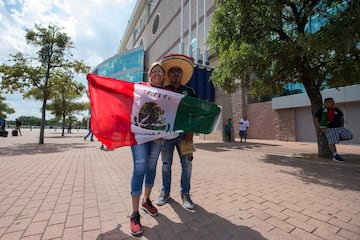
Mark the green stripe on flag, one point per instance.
(195, 115)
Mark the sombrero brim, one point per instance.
(180, 61)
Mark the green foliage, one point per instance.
(64, 98)
(4, 108)
(263, 45)
(53, 122)
(29, 120)
(66, 92)
(32, 121)
(37, 76)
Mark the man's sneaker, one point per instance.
(337, 158)
(135, 225)
(163, 198)
(188, 204)
(149, 208)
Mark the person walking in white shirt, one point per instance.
(244, 125)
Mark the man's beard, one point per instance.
(176, 80)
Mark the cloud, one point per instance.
(95, 27)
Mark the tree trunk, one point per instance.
(43, 110)
(63, 125)
(43, 121)
(315, 97)
(323, 148)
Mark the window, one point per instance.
(156, 24)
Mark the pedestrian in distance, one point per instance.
(3, 132)
(18, 125)
(90, 133)
(179, 69)
(228, 130)
(330, 120)
(2, 124)
(244, 125)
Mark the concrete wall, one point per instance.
(167, 38)
(351, 111)
(305, 129)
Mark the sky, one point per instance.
(95, 26)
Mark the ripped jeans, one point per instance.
(167, 159)
(145, 157)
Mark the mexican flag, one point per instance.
(125, 113)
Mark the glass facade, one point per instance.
(128, 66)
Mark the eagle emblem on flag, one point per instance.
(151, 116)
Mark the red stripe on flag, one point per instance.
(111, 106)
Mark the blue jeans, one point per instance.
(88, 134)
(145, 157)
(167, 159)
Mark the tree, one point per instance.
(66, 92)
(33, 76)
(4, 108)
(263, 45)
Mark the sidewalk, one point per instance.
(70, 189)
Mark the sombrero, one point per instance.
(181, 61)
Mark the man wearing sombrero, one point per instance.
(179, 69)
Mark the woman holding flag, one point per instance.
(145, 157)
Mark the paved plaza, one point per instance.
(70, 189)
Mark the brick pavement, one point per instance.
(70, 189)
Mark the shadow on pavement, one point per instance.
(58, 135)
(35, 148)
(115, 234)
(228, 146)
(198, 224)
(324, 172)
(202, 224)
(349, 158)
